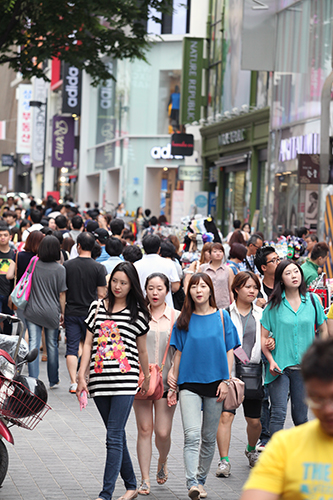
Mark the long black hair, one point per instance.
(135, 300)
(276, 296)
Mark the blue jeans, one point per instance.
(290, 382)
(7, 327)
(198, 456)
(115, 411)
(51, 339)
(265, 411)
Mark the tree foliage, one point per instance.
(77, 31)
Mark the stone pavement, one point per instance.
(63, 457)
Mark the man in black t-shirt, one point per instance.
(7, 255)
(86, 282)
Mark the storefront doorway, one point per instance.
(160, 182)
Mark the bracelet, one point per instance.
(171, 390)
(148, 376)
(227, 382)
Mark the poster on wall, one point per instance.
(311, 206)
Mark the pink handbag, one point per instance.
(235, 396)
(21, 293)
(156, 388)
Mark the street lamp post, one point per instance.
(38, 104)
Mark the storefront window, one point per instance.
(303, 60)
(235, 196)
(169, 101)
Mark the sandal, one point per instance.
(144, 487)
(162, 474)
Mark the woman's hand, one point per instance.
(172, 397)
(261, 302)
(270, 343)
(272, 366)
(145, 385)
(222, 392)
(81, 386)
(172, 381)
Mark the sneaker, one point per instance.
(223, 468)
(252, 456)
(261, 446)
(72, 388)
(55, 386)
(203, 492)
(194, 493)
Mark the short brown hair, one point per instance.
(33, 241)
(219, 246)
(319, 250)
(241, 279)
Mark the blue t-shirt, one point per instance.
(204, 352)
(104, 256)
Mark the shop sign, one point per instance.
(303, 144)
(7, 160)
(182, 144)
(231, 137)
(23, 138)
(63, 141)
(106, 121)
(38, 120)
(71, 95)
(164, 153)
(190, 107)
(308, 169)
(190, 172)
(213, 173)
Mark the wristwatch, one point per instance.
(227, 382)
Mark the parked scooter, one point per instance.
(22, 399)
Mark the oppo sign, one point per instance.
(163, 153)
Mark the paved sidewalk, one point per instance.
(63, 458)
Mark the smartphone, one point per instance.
(278, 371)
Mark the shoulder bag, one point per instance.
(156, 388)
(249, 373)
(21, 293)
(235, 396)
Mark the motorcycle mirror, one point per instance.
(32, 355)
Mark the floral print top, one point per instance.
(114, 365)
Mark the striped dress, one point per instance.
(114, 364)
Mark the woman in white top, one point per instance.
(194, 267)
(246, 316)
(160, 327)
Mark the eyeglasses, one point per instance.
(318, 403)
(276, 259)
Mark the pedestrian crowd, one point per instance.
(151, 321)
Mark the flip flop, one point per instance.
(162, 474)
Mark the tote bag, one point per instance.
(21, 293)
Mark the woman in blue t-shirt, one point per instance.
(202, 366)
(289, 317)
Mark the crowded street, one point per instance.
(63, 458)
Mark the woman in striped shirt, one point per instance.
(115, 341)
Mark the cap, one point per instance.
(101, 235)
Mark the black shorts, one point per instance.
(251, 408)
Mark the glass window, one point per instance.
(169, 101)
(303, 60)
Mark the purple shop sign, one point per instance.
(63, 141)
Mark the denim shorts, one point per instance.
(75, 333)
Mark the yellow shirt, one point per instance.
(297, 464)
(330, 313)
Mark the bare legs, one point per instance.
(161, 425)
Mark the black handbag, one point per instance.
(251, 375)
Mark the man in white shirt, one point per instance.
(152, 262)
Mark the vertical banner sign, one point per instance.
(23, 138)
(63, 141)
(106, 121)
(71, 95)
(190, 99)
(38, 120)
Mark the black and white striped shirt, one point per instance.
(114, 365)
